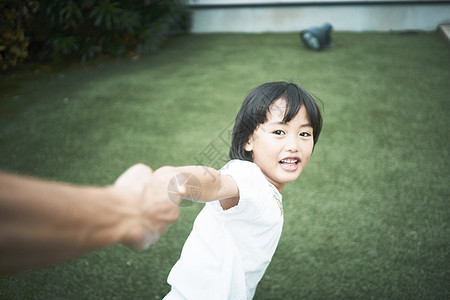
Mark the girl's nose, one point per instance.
(292, 144)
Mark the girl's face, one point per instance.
(282, 150)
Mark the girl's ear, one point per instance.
(249, 146)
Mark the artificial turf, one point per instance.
(368, 218)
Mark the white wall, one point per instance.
(348, 17)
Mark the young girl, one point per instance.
(234, 238)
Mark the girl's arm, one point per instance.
(200, 183)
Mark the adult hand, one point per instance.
(150, 195)
(44, 222)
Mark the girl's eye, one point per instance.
(305, 134)
(278, 132)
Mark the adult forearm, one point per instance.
(45, 222)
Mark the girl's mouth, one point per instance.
(290, 164)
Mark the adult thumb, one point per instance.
(177, 188)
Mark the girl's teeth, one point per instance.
(289, 161)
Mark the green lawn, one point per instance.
(369, 218)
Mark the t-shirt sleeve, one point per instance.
(250, 182)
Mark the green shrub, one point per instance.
(14, 17)
(86, 28)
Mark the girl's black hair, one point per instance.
(254, 110)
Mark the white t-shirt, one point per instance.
(228, 251)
